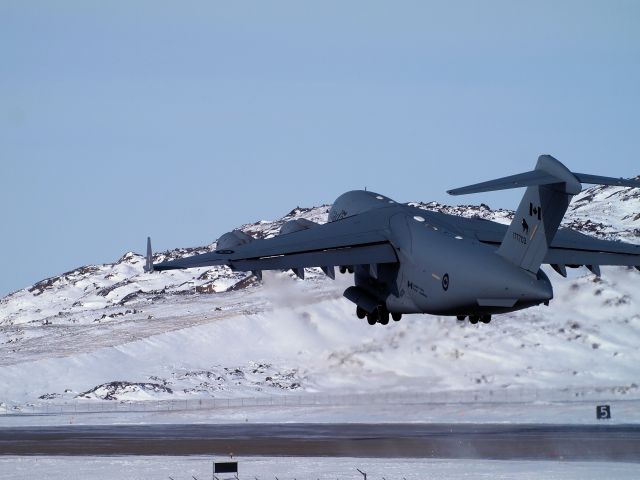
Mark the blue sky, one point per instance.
(182, 120)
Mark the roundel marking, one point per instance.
(445, 282)
(224, 252)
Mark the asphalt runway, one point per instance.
(486, 441)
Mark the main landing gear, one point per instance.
(474, 319)
(379, 315)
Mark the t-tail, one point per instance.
(550, 187)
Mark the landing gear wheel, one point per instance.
(485, 318)
(396, 317)
(360, 312)
(372, 318)
(460, 317)
(343, 269)
(383, 315)
(473, 319)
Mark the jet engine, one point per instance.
(232, 239)
(297, 225)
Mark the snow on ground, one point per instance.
(388, 410)
(592, 212)
(200, 467)
(303, 338)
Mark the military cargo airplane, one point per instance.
(407, 260)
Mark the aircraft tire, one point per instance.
(396, 317)
(384, 316)
(473, 319)
(372, 318)
(360, 312)
(485, 318)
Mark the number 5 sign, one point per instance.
(603, 412)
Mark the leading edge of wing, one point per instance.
(352, 241)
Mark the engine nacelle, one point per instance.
(355, 202)
(297, 225)
(233, 239)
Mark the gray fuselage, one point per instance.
(440, 271)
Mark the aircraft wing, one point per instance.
(361, 239)
(573, 248)
(567, 248)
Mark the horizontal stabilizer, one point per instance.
(528, 179)
(598, 180)
(548, 171)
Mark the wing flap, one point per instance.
(359, 255)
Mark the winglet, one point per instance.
(148, 267)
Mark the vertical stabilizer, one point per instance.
(550, 187)
(539, 215)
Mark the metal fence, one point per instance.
(504, 395)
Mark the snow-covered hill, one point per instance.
(113, 332)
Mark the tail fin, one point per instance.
(550, 187)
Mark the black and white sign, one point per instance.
(603, 412)
(225, 467)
